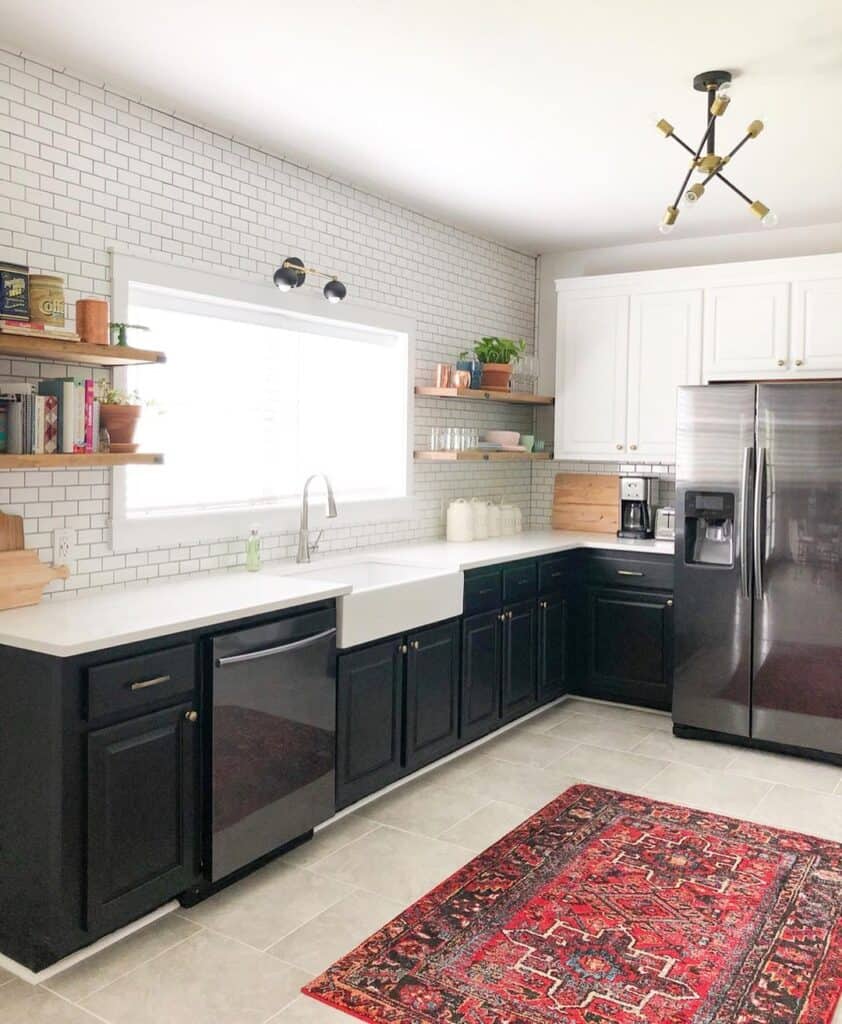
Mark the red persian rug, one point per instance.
(605, 908)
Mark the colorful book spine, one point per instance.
(89, 416)
(50, 437)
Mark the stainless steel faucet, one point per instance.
(304, 548)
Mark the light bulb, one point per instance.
(693, 195)
(724, 90)
(769, 220)
(665, 229)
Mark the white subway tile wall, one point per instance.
(83, 169)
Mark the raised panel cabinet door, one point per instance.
(142, 831)
(432, 694)
(817, 326)
(553, 626)
(591, 371)
(665, 352)
(481, 646)
(369, 720)
(630, 646)
(519, 688)
(746, 330)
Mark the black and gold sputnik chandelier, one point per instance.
(715, 86)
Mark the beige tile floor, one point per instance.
(242, 956)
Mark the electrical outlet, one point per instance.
(63, 546)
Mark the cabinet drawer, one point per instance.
(483, 590)
(636, 572)
(135, 684)
(553, 573)
(520, 581)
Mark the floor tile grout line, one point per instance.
(375, 826)
(77, 1006)
(313, 917)
(125, 974)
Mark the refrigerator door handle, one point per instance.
(745, 550)
(759, 489)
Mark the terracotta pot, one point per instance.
(497, 376)
(120, 421)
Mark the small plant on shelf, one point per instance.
(119, 412)
(496, 356)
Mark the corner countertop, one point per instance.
(66, 627)
(531, 544)
(63, 628)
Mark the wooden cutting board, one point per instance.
(586, 501)
(11, 532)
(23, 577)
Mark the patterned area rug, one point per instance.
(605, 908)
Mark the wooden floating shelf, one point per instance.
(478, 394)
(101, 459)
(476, 455)
(27, 346)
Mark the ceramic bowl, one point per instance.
(508, 437)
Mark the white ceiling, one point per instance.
(523, 121)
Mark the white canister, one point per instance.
(494, 523)
(479, 509)
(507, 520)
(518, 519)
(460, 522)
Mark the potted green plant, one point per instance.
(119, 412)
(496, 356)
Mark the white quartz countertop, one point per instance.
(530, 544)
(79, 625)
(67, 627)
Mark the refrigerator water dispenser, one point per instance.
(709, 528)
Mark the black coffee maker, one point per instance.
(638, 499)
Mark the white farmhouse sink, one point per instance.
(387, 597)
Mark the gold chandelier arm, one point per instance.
(710, 124)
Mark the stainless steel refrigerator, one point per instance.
(758, 564)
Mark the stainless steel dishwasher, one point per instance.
(273, 736)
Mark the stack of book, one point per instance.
(35, 329)
(50, 417)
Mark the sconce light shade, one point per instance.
(290, 274)
(335, 291)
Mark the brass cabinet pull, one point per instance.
(416, 644)
(629, 572)
(192, 716)
(402, 649)
(143, 684)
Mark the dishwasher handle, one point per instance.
(294, 645)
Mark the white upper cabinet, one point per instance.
(626, 341)
(591, 365)
(817, 326)
(665, 351)
(746, 329)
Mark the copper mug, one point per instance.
(460, 379)
(443, 375)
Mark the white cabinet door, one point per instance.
(591, 367)
(746, 330)
(817, 326)
(665, 351)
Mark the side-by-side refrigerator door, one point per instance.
(714, 479)
(797, 686)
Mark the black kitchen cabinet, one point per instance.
(553, 648)
(369, 719)
(432, 694)
(519, 678)
(629, 645)
(142, 835)
(481, 665)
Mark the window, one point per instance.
(258, 392)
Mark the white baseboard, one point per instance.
(36, 977)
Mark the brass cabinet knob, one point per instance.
(416, 644)
(633, 447)
(619, 447)
(781, 362)
(402, 649)
(502, 616)
(799, 362)
(669, 603)
(544, 604)
(510, 615)
(192, 716)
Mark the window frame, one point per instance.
(128, 534)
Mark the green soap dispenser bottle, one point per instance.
(253, 550)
